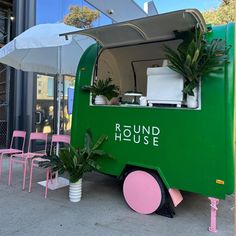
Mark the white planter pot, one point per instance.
(100, 100)
(192, 101)
(75, 191)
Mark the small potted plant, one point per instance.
(76, 163)
(103, 91)
(195, 57)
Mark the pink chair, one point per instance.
(17, 134)
(56, 139)
(24, 157)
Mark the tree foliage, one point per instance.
(81, 17)
(222, 15)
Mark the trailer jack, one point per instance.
(214, 203)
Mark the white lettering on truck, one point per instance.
(137, 134)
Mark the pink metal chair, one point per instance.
(56, 139)
(24, 157)
(17, 134)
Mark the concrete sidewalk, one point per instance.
(102, 211)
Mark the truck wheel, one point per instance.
(143, 191)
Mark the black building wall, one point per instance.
(5, 36)
(22, 84)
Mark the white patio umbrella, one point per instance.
(41, 49)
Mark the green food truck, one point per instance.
(161, 144)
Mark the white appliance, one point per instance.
(164, 86)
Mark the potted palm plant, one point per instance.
(103, 91)
(195, 57)
(76, 163)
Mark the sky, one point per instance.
(51, 11)
(172, 5)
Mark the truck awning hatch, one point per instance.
(147, 29)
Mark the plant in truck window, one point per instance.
(103, 90)
(195, 57)
(77, 163)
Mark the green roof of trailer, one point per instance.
(147, 29)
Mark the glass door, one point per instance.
(46, 115)
(66, 113)
(45, 104)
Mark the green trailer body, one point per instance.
(190, 149)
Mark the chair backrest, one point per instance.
(59, 138)
(38, 136)
(18, 134)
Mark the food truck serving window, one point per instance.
(132, 56)
(142, 74)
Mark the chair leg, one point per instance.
(24, 175)
(31, 176)
(47, 179)
(10, 172)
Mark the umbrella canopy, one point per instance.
(41, 49)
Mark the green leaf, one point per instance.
(93, 164)
(88, 142)
(99, 152)
(86, 88)
(195, 57)
(99, 142)
(188, 61)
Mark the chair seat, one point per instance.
(10, 151)
(38, 159)
(28, 155)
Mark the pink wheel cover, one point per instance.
(142, 192)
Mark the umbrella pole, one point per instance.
(59, 104)
(58, 114)
(59, 81)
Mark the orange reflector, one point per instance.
(218, 181)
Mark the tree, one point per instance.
(222, 15)
(81, 17)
